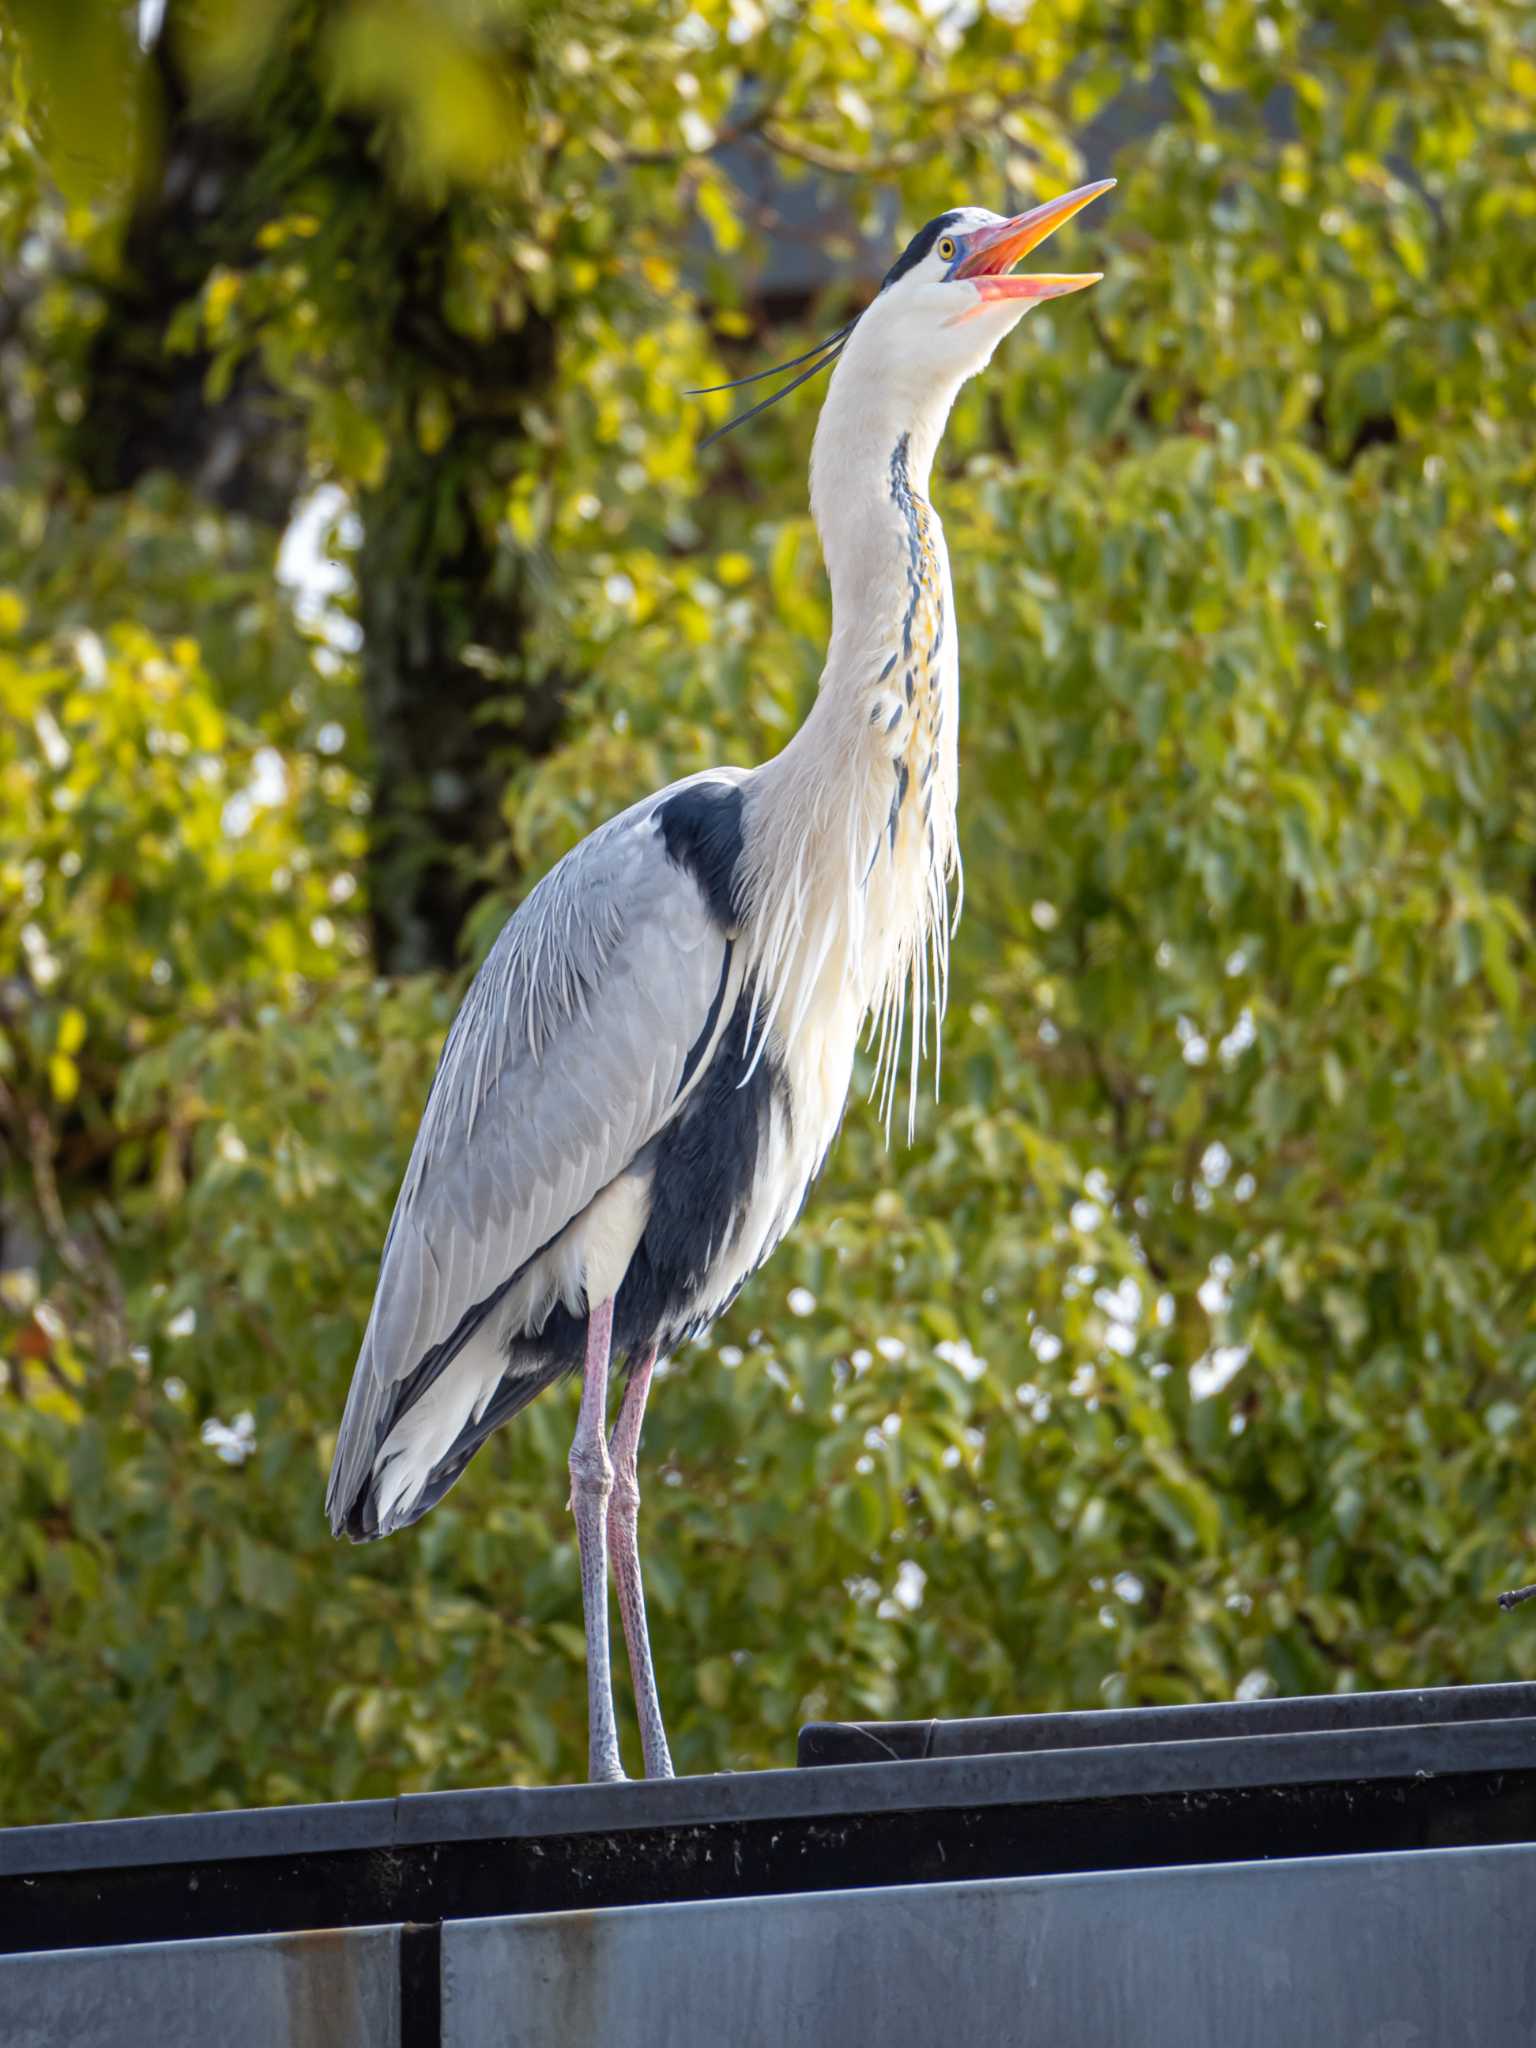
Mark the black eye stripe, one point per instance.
(919, 247)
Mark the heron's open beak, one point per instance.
(994, 251)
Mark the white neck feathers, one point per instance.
(852, 840)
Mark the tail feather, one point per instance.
(378, 1509)
(404, 1442)
(379, 1399)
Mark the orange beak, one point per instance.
(994, 251)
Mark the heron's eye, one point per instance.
(947, 248)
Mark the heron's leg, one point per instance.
(623, 1521)
(591, 1485)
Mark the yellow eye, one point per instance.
(947, 248)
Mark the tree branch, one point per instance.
(845, 163)
(738, 131)
(94, 1274)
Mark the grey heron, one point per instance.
(648, 1070)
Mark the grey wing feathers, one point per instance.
(564, 1060)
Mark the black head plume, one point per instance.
(820, 357)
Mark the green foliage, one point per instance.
(1193, 1343)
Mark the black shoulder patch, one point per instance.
(702, 831)
(918, 247)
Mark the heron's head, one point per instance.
(941, 310)
(955, 291)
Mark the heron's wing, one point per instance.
(575, 1043)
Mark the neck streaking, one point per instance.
(849, 876)
(908, 700)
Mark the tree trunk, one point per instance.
(434, 576)
(444, 731)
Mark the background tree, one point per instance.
(1190, 1349)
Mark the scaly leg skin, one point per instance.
(623, 1521)
(591, 1486)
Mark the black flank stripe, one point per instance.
(696, 1050)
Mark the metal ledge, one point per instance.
(1138, 1790)
(868, 1767)
(858, 1742)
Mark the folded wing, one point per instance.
(577, 1041)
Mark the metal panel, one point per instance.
(325, 1990)
(1428, 1950)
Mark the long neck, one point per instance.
(870, 463)
(851, 866)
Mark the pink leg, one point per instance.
(623, 1545)
(591, 1486)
